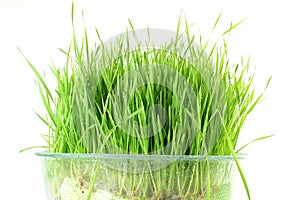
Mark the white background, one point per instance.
(270, 34)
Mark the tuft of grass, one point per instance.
(176, 99)
(83, 112)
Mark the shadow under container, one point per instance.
(135, 177)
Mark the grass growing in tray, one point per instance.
(84, 112)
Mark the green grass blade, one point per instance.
(255, 140)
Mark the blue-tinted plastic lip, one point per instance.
(91, 156)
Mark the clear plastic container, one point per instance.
(120, 177)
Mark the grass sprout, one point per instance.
(175, 99)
